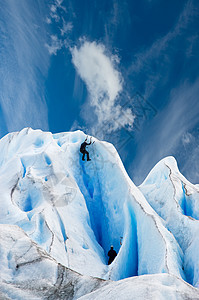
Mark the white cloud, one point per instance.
(48, 20)
(58, 4)
(54, 11)
(190, 166)
(55, 46)
(193, 41)
(187, 138)
(104, 83)
(62, 28)
(156, 54)
(54, 17)
(66, 28)
(23, 66)
(143, 58)
(168, 132)
(53, 8)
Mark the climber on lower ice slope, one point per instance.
(83, 149)
(112, 255)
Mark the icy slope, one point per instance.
(39, 194)
(160, 287)
(28, 272)
(177, 201)
(75, 210)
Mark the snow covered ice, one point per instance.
(59, 216)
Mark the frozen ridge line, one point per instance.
(73, 211)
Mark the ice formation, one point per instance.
(59, 215)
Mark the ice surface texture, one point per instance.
(76, 210)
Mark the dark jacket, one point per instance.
(83, 146)
(112, 254)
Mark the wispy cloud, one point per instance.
(23, 66)
(66, 27)
(187, 138)
(159, 53)
(104, 83)
(142, 59)
(48, 20)
(62, 28)
(54, 10)
(193, 46)
(190, 165)
(169, 131)
(55, 45)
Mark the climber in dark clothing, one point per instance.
(112, 255)
(83, 149)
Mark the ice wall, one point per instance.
(76, 210)
(177, 201)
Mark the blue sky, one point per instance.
(124, 71)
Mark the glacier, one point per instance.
(59, 216)
(176, 201)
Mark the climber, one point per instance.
(112, 254)
(83, 149)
